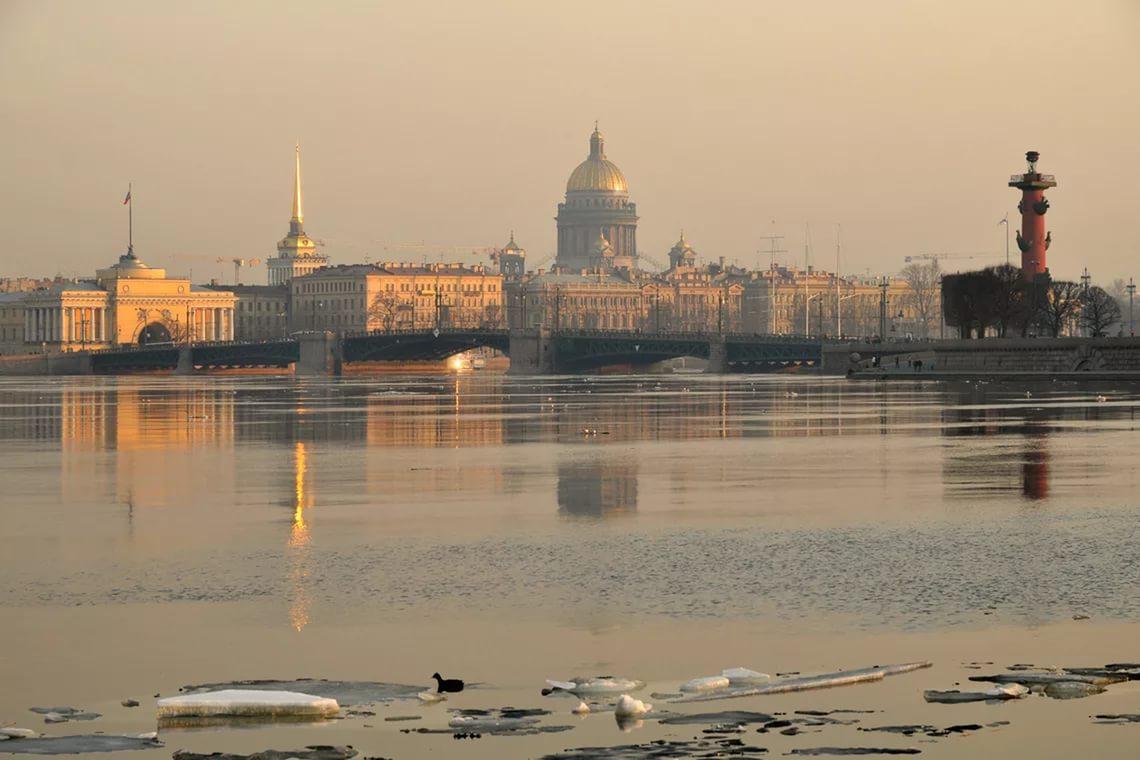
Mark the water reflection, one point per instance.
(299, 540)
(597, 488)
(1035, 468)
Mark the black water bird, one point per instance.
(444, 685)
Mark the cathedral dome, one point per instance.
(597, 173)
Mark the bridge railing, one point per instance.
(196, 344)
(383, 332)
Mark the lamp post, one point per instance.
(807, 311)
(1131, 292)
(884, 283)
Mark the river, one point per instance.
(163, 531)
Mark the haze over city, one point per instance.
(455, 123)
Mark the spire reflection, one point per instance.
(299, 540)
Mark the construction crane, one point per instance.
(238, 264)
(940, 256)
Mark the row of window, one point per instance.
(274, 306)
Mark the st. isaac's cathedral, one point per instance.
(597, 224)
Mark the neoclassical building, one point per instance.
(127, 303)
(297, 253)
(597, 223)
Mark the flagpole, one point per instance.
(130, 219)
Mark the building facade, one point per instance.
(127, 303)
(597, 206)
(297, 253)
(789, 301)
(392, 296)
(261, 312)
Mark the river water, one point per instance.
(163, 531)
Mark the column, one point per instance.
(27, 324)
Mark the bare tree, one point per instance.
(923, 281)
(493, 316)
(383, 309)
(1059, 302)
(1098, 311)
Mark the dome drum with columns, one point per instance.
(597, 205)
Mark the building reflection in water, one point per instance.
(1035, 467)
(299, 543)
(597, 488)
(1018, 458)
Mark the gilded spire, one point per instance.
(296, 224)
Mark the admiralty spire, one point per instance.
(597, 209)
(296, 253)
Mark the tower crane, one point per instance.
(238, 264)
(941, 256)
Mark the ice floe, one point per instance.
(247, 703)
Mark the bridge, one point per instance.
(532, 352)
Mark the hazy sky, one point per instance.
(452, 123)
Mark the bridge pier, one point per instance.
(320, 355)
(533, 352)
(718, 357)
(185, 361)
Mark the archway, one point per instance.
(155, 332)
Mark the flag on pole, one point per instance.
(1004, 219)
(128, 198)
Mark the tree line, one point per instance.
(999, 299)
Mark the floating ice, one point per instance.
(74, 745)
(430, 697)
(1072, 689)
(744, 676)
(489, 723)
(1008, 691)
(706, 683)
(248, 703)
(312, 752)
(628, 707)
(827, 680)
(1004, 691)
(597, 685)
(18, 733)
(344, 692)
(581, 709)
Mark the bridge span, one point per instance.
(532, 352)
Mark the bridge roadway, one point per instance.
(532, 352)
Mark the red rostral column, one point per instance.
(1032, 239)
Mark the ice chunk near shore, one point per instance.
(628, 707)
(706, 683)
(248, 703)
(430, 697)
(581, 709)
(18, 733)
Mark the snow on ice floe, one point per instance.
(706, 683)
(599, 685)
(628, 707)
(344, 692)
(247, 703)
(744, 676)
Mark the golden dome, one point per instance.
(597, 173)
